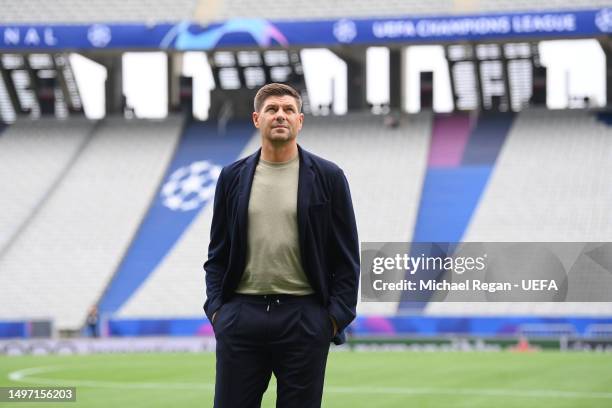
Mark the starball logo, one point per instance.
(99, 35)
(188, 187)
(345, 30)
(603, 20)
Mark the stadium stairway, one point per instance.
(187, 190)
(460, 161)
(459, 165)
(61, 261)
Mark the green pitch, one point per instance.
(354, 379)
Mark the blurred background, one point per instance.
(454, 121)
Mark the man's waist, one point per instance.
(276, 298)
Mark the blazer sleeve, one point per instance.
(218, 252)
(345, 255)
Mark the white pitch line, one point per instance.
(26, 376)
(472, 391)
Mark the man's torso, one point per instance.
(273, 259)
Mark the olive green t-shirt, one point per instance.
(273, 262)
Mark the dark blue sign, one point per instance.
(78, 37)
(254, 32)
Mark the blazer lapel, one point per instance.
(305, 182)
(244, 187)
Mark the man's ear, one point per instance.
(256, 119)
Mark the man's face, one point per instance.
(279, 120)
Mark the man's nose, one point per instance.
(280, 115)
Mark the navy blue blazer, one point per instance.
(329, 245)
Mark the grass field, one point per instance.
(354, 379)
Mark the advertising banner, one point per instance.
(257, 32)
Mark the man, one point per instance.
(92, 321)
(283, 263)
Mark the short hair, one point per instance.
(275, 89)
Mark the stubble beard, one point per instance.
(280, 140)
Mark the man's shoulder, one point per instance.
(324, 166)
(234, 167)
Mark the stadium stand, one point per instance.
(384, 166)
(34, 156)
(387, 187)
(155, 246)
(175, 286)
(380, 188)
(550, 184)
(61, 262)
(550, 158)
(160, 11)
(204, 11)
(488, 6)
(103, 11)
(93, 213)
(286, 10)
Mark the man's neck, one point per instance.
(280, 153)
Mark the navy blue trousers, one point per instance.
(261, 335)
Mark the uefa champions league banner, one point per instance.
(325, 33)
